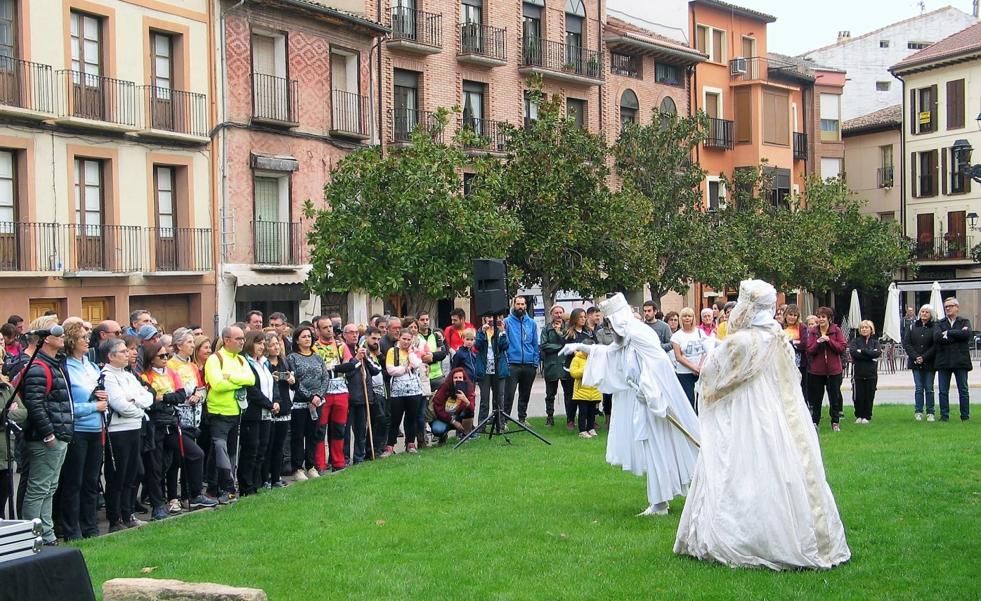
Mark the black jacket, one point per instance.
(257, 400)
(163, 412)
(918, 342)
(953, 344)
(356, 384)
(48, 413)
(865, 355)
(281, 389)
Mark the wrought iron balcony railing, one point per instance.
(349, 113)
(274, 99)
(174, 111)
(26, 85)
(719, 134)
(483, 134)
(277, 243)
(87, 96)
(417, 26)
(483, 40)
(561, 58)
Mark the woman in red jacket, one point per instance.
(453, 405)
(825, 344)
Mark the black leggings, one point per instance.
(864, 396)
(816, 386)
(272, 467)
(122, 473)
(300, 427)
(587, 415)
(407, 406)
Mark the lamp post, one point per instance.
(962, 149)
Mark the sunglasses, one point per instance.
(164, 355)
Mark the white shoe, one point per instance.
(858, 420)
(918, 417)
(584, 435)
(300, 476)
(174, 506)
(657, 509)
(313, 473)
(930, 418)
(593, 433)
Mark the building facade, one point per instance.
(942, 84)
(872, 151)
(867, 57)
(105, 161)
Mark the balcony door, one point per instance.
(162, 106)
(87, 83)
(924, 235)
(346, 103)
(90, 238)
(956, 234)
(406, 99)
(471, 19)
(9, 239)
(166, 232)
(473, 107)
(270, 88)
(749, 52)
(531, 29)
(272, 234)
(404, 22)
(574, 18)
(9, 73)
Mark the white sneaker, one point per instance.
(930, 418)
(300, 476)
(584, 435)
(593, 433)
(313, 473)
(918, 417)
(858, 420)
(174, 506)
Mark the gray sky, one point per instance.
(800, 26)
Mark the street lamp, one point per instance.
(962, 149)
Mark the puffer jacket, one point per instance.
(553, 365)
(953, 344)
(18, 416)
(500, 353)
(865, 355)
(48, 413)
(919, 343)
(824, 358)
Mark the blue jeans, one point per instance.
(923, 380)
(687, 382)
(440, 427)
(943, 382)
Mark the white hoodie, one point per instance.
(128, 399)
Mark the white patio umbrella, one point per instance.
(936, 301)
(854, 312)
(890, 325)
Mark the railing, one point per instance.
(31, 246)
(556, 56)
(944, 248)
(719, 134)
(417, 26)
(884, 177)
(276, 243)
(174, 110)
(483, 40)
(98, 98)
(112, 248)
(274, 98)
(349, 112)
(405, 121)
(626, 65)
(800, 146)
(26, 85)
(750, 68)
(180, 248)
(483, 134)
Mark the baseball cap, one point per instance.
(147, 332)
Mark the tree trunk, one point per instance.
(419, 302)
(548, 297)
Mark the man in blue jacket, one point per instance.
(522, 356)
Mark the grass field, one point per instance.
(529, 521)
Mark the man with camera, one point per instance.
(49, 428)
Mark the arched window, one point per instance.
(575, 7)
(667, 110)
(628, 108)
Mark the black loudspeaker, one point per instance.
(490, 287)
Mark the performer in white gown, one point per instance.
(759, 497)
(646, 394)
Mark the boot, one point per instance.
(421, 441)
(467, 426)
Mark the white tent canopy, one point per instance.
(890, 324)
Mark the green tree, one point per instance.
(398, 222)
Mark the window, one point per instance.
(743, 115)
(924, 169)
(164, 187)
(955, 104)
(624, 64)
(273, 233)
(348, 110)
(406, 102)
(667, 74)
(8, 29)
(923, 110)
(88, 194)
(668, 110)
(8, 191)
(629, 106)
(779, 187)
(468, 179)
(473, 106)
(531, 107)
(830, 117)
(885, 174)
(271, 91)
(830, 167)
(714, 191)
(470, 12)
(575, 109)
(575, 15)
(776, 118)
(883, 43)
(917, 45)
(711, 41)
(531, 20)
(960, 182)
(882, 86)
(88, 98)
(713, 105)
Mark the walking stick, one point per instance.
(367, 410)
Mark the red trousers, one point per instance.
(333, 415)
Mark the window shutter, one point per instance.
(955, 104)
(912, 112)
(914, 184)
(943, 171)
(935, 164)
(933, 108)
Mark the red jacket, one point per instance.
(454, 337)
(824, 358)
(446, 390)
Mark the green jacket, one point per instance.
(18, 415)
(225, 376)
(553, 365)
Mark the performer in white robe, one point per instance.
(759, 497)
(640, 376)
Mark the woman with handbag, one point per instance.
(283, 382)
(189, 415)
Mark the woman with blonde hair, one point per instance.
(864, 351)
(690, 348)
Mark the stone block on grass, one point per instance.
(152, 589)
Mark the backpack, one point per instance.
(48, 376)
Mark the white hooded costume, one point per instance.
(759, 496)
(640, 376)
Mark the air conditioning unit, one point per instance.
(737, 66)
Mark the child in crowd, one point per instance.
(466, 357)
(586, 397)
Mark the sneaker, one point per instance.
(300, 476)
(585, 435)
(593, 433)
(836, 427)
(159, 513)
(570, 426)
(279, 484)
(930, 417)
(550, 421)
(858, 420)
(389, 451)
(227, 499)
(117, 527)
(944, 418)
(174, 506)
(919, 417)
(133, 522)
(337, 470)
(313, 473)
(411, 448)
(266, 486)
(203, 501)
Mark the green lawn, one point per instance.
(529, 521)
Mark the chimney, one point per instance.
(975, 9)
(844, 35)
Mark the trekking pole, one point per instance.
(367, 410)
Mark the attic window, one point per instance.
(917, 45)
(882, 86)
(883, 43)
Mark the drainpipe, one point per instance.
(378, 8)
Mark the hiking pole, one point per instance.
(367, 411)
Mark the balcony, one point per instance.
(948, 247)
(27, 248)
(349, 115)
(174, 114)
(26, 89)
(106, 249)
(625, 65)
(179, 250)
(760, 68)
(97, 102)
(277, 243)
(274, 100)
(482, 45)
(719, 134)
(416, 31)
(800, 146)
(483, 134)
(560, 61)
(404, 121)
(884, 177)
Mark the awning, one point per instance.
(924, 285)
(270, 162)
(251, 277)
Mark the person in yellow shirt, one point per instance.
(723, 328)
(586, 397)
